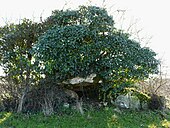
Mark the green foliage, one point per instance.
(16, 43)
(85, 41)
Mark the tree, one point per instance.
(84, 41)
(16, 41)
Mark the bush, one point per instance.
(156, 102)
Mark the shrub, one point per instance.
(156, 102)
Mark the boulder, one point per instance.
(122, 102)
(127, 101)
(134, 103)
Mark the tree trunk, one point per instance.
(21, 101)
(25, 91)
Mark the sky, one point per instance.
(150, 19)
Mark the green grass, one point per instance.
(106, 118)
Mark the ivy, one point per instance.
(84, 41)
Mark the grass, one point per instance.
(105, 118)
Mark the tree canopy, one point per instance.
(85, 41)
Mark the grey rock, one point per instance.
(127, 102)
